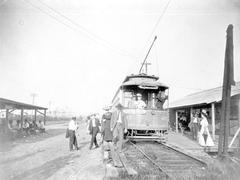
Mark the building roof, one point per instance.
(204, 97)
(10, 104)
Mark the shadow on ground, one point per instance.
(9, 161)
(46, 170)
(7, 145)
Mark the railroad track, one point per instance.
(154, 159)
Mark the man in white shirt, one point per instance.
(72, 127)
(140, 104)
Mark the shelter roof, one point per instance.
(10, 104)
(204, 97)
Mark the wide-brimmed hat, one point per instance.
(107, 108)
(119, 106)
(139, 95)
(204, 111)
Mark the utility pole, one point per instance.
(33, 95)
(49, 107)
(228, 80)
(146, 66)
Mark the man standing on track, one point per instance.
(72, 127)
(118, 126)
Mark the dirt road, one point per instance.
(48, 157)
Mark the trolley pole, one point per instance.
(145, 59)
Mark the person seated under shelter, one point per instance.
(26, 126)
(10, 124)
(18, 124)
(32, 127)
(41, 126)
(140, 104)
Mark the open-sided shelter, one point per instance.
(9, 106)
(211, 101)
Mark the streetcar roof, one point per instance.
(143, 80)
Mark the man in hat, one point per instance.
(140, 104)
(118, 126)
(93, 130)
(160, 99)
(72, 127)
(194, 125)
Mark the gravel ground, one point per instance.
(47, 157)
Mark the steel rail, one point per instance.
(181, 152)
(152, 161)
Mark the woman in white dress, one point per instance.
(204, 135)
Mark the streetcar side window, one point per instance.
(127, 98)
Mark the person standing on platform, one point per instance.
(204, 135)
(194, 126)
(93, 129)
(72, 127)
(118, 126)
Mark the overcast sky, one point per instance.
(75, 53)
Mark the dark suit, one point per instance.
(93, 131)
(160, 99)
(118, 128)
(72, 140)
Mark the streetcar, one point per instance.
(145, 102)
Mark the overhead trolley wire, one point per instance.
(79, 28)
(56, 19)
(154, 29)
(157, 23)
(84, 29)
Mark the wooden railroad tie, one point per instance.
(116, 160)
(126, 165)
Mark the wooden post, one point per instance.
(35, 115)
(239, 118)
(44, 117)
(235, 135)
(7, 113)
(7, 121)
(213, 120)
(122, 98)
(191, 114)
(228, 80)
(21, 118)
(176, 121)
